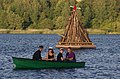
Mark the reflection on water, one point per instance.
(101, 63)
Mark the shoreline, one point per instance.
(47, 31)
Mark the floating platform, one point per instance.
(76, 45)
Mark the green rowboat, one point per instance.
(23, 63)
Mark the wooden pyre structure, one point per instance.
(75, 36)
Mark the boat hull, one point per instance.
(23, 63)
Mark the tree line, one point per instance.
(54, 14)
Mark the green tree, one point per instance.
(14, 21)
(46, 23)
(3, 21)
(60, 22)
(54, 14)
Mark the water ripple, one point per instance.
(101, 63)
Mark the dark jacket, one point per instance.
(37, 55)
(59, 57)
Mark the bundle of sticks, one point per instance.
(74, 34)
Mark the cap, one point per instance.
(40, 46)
(61, 49)
(50, 47)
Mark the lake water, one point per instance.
(101, 63)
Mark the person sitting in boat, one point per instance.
(37, 54)
(60, 55)
(70, 55)
(50, 55)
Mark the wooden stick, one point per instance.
(61, 35)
